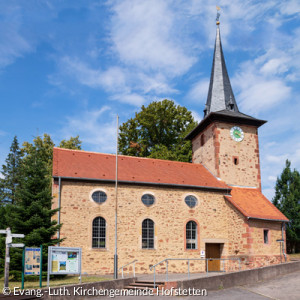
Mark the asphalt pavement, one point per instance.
(286, 287)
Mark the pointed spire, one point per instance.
(220, 95)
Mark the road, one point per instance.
(286, 287)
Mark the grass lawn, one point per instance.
(54, 282)
(294, 256)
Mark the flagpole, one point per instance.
(116, 208)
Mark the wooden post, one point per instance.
(8, 244)
(23, 268)
(6, 270)
(41, 265)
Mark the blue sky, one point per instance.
(68, 67)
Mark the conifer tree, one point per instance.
(11, 173)
(2, 237)
(31, 215)
(287, 200)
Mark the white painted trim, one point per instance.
(190, 194)
(151, 193)
(243, 186)
(96, 190)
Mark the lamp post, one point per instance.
(116, 209)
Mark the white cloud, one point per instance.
(111, 80)
(274, 66)
(122, 84)
(134, 99)
(156, 83)
(276, 158)
(290, 7)
(272, 178)
(144, 34)
(199, 91)
(273, 157)
(96, 128)
(13, 45)
(196, 116)
(259, 88)
(114, 80)
(262, 95)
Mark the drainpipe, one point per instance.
(59, 200)
(282, 233)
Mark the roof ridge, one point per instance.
(131, 157)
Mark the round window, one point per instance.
(191, 201)
(148, 199)
(99, 196)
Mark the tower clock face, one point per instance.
(237, 134)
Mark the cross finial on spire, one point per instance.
(218, 15)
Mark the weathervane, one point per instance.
(218, 15)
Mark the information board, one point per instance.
(64, 260)
(32, 261)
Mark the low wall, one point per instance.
(79, 291)
(237, 278)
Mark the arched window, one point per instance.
(99, 233)
(191, 235)
(148, 234)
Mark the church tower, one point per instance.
(226, 140)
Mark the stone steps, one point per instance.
(144, 285)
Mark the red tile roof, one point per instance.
(91, 165)
(253, 204)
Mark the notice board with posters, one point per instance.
(64, 260)
(32, 261)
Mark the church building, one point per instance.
(210, 208)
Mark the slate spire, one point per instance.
(220, 95)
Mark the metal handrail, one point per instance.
(133, 262)
(188, 260)
(153, 266)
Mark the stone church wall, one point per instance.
(219, 151)
(247, 171)
(217, 223)
(206, 154)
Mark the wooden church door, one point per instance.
(213, 251)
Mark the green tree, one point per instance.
(27, 178)
(45, 147)
(158, 131)
(287, 200)
(73, 143)
(31, 215)
(11, 174)
(3, 225)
